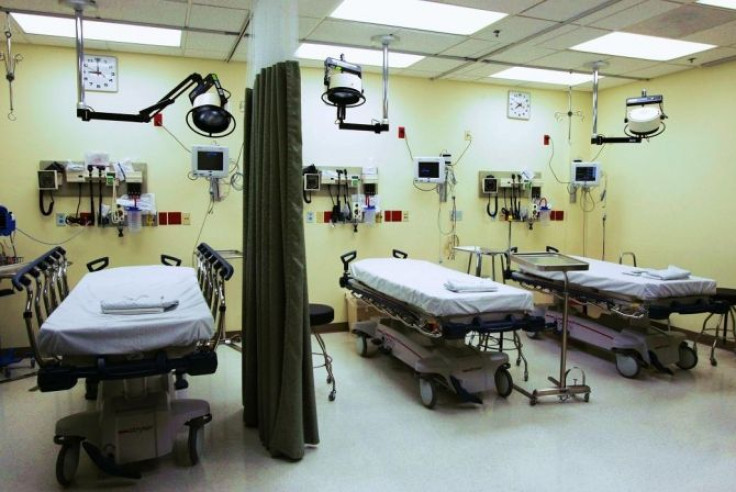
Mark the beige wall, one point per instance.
(653, 208)
(47, 128)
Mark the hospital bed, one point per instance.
(626, 302)
(428, 324)
(132, 331)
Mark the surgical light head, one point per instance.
(344, 85)
(644, 116)
(209, 113)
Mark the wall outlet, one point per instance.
(456, 215)
(186, 219)
(61, 220)
(405, 216)
(310, 218)
(468, 136)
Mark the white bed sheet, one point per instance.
(78, 327)
(611, 277)
(421, 284)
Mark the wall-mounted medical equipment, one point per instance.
(344, 88)
(430, 169)
(48, 179)
(489, 185)
(210, 161)
(585, 174)
(644, 115)
(7, 222)
(208, 117)
(10, 62)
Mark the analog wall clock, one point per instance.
(100, 73)
(519, 105)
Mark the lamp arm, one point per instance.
(205, 84)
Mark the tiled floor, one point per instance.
(657, 433)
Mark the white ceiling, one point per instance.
(536, 33)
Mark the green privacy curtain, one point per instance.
(278, 384)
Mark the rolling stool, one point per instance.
(726, 299)
(321, 314)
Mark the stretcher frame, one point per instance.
(135, 417)
(624, 326)
(435, 346)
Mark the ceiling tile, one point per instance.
(561, 10)
(594, 18)
(705, 57)
(566, 60)
(317, 8)
(471, 48)
(220, 19)
(352, 33)
(523, 54)
(479, 70)
(657, 70)
(723, 35)
(158, 11)
(637, 13)
(438, 65)
(209, 42)
(683, 21)
(425, 42)
(619, 65)
(228, 4)
(513, 29)
(307, 25)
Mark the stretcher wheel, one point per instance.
(67, 461)
(627, 366)
(361, 345)
(688, 357)
(504, 382)
(195, 443)
(428, 392)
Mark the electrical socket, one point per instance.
(468, 136)
(405, 216)
(186, 219)
(310, 217)
(456, 215)
(61, 220)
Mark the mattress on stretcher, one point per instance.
(421, 284)
(78, 326)
(612, 277)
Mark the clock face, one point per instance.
(100, 73)
(520, 105)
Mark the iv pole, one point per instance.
(10, 62)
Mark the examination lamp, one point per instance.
(344, 85)
(208, 117)
(644, 115)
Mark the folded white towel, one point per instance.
(136, 306)
(670, 273)
(471, 285)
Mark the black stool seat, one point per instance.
(320, 314)
(725, 295)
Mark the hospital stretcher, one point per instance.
(428, 324)
(625, 306)
(167, 323)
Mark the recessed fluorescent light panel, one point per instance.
(640, 46)
(544, 76)
(417, 14)
(726, 4)
(99, 31)
(358, 56)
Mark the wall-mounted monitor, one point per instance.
(210, 161)
(585, 174)
(429, 169)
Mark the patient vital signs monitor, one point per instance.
(210, 161)
(585, 174)
(429, 169)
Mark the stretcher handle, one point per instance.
(506, 262)
(98, 264)
(397, 253)
(347, 258)
(169, 260)
(214, 258)
(21, 278)
(552, 249)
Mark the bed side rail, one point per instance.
(213, 271)
(45, 284)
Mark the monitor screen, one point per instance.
(586, 173)
(429, 169)
(210, 161)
